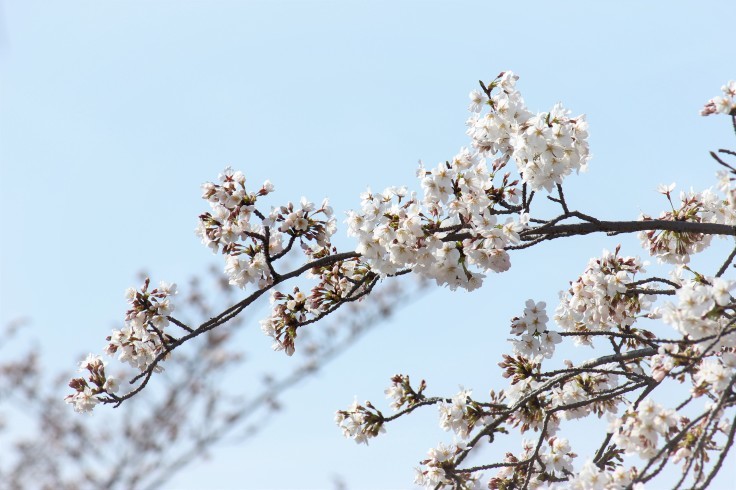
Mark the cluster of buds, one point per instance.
(547, 146)
(90, 391)
(338, 281)
(522, 394)
(359, 422)
(528, 402)
(288, 312)
(598, 300)
(519, 368)
(143, 338)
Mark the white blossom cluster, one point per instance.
(725, 179)
(557, 457)
(453, 234)
(143, 336)
(703, 312)
(673, 247)
(89, 391)
(546, 146)
(401, 393)
(714, 374)
(232, 207)
(396, 230)
(312, 225)
(360, 423)
(725, 104)
(590, 477)
(638, 430)
(398, 392)
(598, 299)
(460, 415)
(249, 246)
(434, 470)
(535, 339)
(558, 472)
(663, 362)
(519, 389)
(699, 312)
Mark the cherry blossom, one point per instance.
(725, 104)
(535, 340)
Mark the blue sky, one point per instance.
(112, 113)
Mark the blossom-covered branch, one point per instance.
(607, 304)
(163, 431)
(473, 211)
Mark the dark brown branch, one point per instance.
(712, 416)
(722, 456)
(179, 324)
(427, 401)
(227, 315)
(535, 456)
(491, 427)
(670, 292)
(630, 227)
(552, 230)
(721, 161)
(727, 262)
(654, 279)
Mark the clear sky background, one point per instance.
(112, 113)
